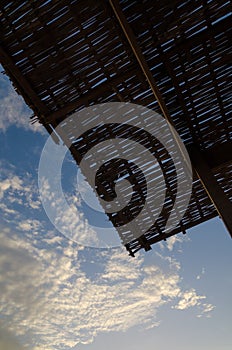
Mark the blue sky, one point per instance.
(58, 295)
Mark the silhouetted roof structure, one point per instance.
(171, 56)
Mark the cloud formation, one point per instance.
(20, 191)
(48, 297)
(59, 294)
(13, 110)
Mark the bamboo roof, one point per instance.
(173, 57)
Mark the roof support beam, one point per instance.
(144, 66)
(25, 89)
(97, 92)
(139, 56)
(219, 155)
(21, 82)
(220, 200)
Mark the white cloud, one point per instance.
(13, 183)
(20, 190)
(190, 299)
(48, 297)
(68, 219)
(23, 191)
(29, 225)
(7, 210)
(13, 110)
(172, 241)
(206, 310)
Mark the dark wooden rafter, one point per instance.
(220, 200)
(87, 98)
(26, 90)
(22, 84)
(218, 155)
(144, 66)
(140, 58)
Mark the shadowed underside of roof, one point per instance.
(63, 56)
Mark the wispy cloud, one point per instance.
(21, 205)
(29, 225)
(18, 190)
(173, 242)
(190, 299)
(13, 183)
(69, 219)
(13, 110)
(48, 297)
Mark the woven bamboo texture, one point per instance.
(62, 56)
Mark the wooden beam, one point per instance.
(218, 155)
(139, 56)
(89, 96)
(220, 200)
(145, 68)
(20, 81)
(27, 92)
